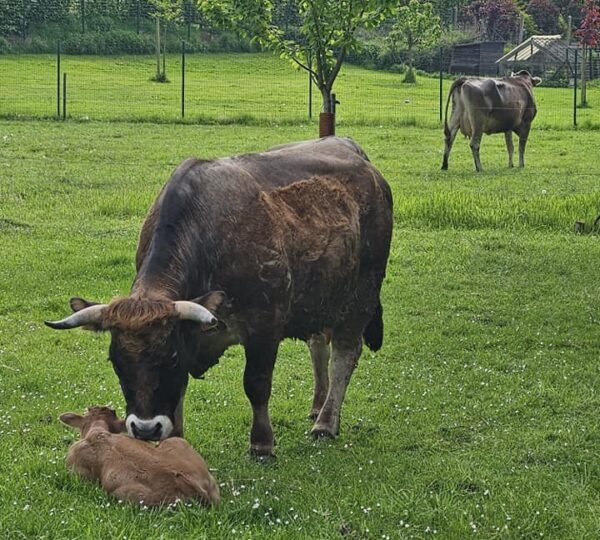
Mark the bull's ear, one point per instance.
(77, 304)
(536, 81)
(211, 301)
(72, 419)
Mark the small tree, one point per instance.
(589, 37)
(415, 27)
(165, 10)
(327, 28)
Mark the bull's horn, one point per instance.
(190, 311)
(91, 315)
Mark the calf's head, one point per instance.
(149, 352)
(100, 417)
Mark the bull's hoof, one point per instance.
(314, 414)
(322, 432)
(262, 451)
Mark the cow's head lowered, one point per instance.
(148, 352)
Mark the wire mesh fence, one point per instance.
(242, 88)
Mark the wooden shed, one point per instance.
(476, 58)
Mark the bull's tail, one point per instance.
(373, 333)
(456, 84)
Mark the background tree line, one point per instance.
(128, 26)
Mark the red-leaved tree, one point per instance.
(589, 36)
(494, 19)
(545, 15)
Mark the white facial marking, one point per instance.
(149, 425)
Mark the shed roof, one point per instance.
(551, 46)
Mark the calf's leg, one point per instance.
(346, 351)
(260, 360)
(510, 147)
(320, 352)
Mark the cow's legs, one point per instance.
(449, 141)
(320, 352)
(344, 359)
(475, 143)
(260, 360)
(523, 135)
(510, 147)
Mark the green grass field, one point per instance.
(247, 88)
(478, 418)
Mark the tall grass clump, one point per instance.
(449, 209)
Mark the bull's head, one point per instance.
(535, 81)
(149, 353)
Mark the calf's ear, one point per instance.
(536, 80)
(72, 419)
(119, 426)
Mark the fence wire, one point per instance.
(244, 88)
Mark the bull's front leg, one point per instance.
(475, 143)
(510, 147)
(178, 417)
(258, 374)
(523, 135)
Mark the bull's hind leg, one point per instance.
(320, 351)
(449, 141)
(260, 360)
(346, 352)
(510, 147)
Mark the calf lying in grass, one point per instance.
(134, 470)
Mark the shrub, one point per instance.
(114, 42)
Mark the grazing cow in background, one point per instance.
(491, 106)
(291, 242)
(137, 471)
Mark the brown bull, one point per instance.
(491, 106)
(291, 242)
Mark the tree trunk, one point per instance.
(326, 93)
(157, 49)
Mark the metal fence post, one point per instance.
(441, 81)
(575, 91)
(58, 78)
(182, 78)
(64, 96)
(309, 63)
(334, 102)
(137, 18)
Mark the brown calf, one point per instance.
(134, 470)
